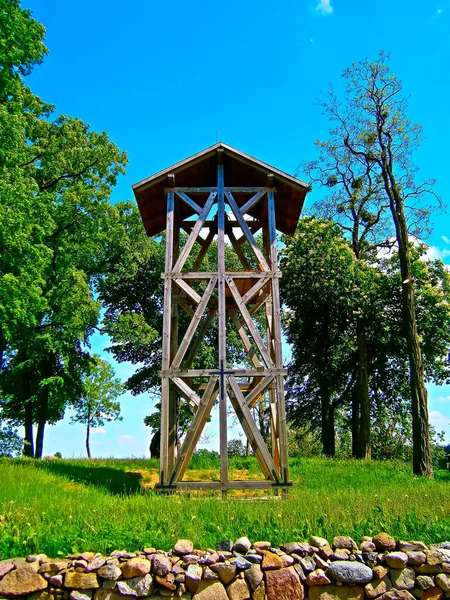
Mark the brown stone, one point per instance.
(238, 590)
(207, 590)
(167, 582)
(183, 547)
(283, 584)
(380, 571)
(21, 582)
(318, 542)
(5, 568)
(367, 546)
(103, 594)
(81, 581)
(317, 577)
(433, 593)
(336, 592)
(384, 542)
(443, 581)
(53, 566)
(403, 579)
(416, 557)
(344, 542)
(136, 567)
(434, 557)
(261, 545)
(377, 587)
(427, 569)
(260, 592)
(272, 561)
(396, 595)
(396, 560)
(411, 546)
(225, 571)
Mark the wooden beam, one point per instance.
(208, 274)
(188, 201)
(245, 228)
(195, 430)
(203, 328)
(194, 233)
(238, 250)
(255, 289)
(259, 440)
(189, 393)
(253, 396)
(223, 430)
(244, 337)
(208, 372)
(253, 200)
(249, 322)
(193, 324)
(189, 291)
(204, 249)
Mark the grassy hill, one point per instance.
(65, 506)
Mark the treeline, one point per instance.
(367, 316)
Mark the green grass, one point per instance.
(60, 507)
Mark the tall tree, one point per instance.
(58, 234)
(371, 127)
(98, 401)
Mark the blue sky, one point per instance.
(164, 79)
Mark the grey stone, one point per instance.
(396, 560)
(77, 595)
(254, 576)
(242, 545)
(318, 541)
(95, 564)
(343, 542)
(161, 565)
(110, 572)
(136, 586)
(423, 582)
(241, 563)
(403, 579)
(443, 581)
(254, 558)
(350, 572)
(226, 545)
(308, 564)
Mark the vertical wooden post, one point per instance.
(166, 341)
(276, 325)
(173, 394)
(222, 320)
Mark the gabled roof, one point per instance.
(200, 170)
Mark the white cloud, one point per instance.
(439, 420)
(434, 252)
(442, 400)
(98, 431)
(324, 7)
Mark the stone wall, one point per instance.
(379, 567)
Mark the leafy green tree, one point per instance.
(98, 403)
(372, 129)
(11, 443)
(59, 234)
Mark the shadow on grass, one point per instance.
(114, 481)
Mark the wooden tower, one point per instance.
(224, 195)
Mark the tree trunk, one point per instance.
(422, 463)
(356, 420)
(28, 447)
(88, 431)
(40, 438)
(363, 393)
(43, 415)
(328, 433)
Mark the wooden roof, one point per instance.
(200, 170)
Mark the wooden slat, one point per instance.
(187, 309)
(247, 415)
(245, 228)
(208, 274)
(193, 324)
(281, 408)
(207, 372)
(204, 249)
(262, 299)
(194, 233)
(249, 322)
(230, 485)
(255, 289)
(244, 337)
(189, 291)
(195, 430)
(188, 201)
(253, 396)
(223, 428)
(189, 393)
(253, 200)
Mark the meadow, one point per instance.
(64, 506)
